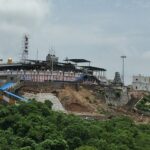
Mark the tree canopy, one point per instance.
(34, 126)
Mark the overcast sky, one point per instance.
(98, 30)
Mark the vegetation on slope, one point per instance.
(34, 126)
(144, 104)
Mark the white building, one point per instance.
(141, 83)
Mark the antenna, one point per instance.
(25, 48)
(37, 54)
(52, 51)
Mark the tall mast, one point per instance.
(25, 49)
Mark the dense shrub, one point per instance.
(144, 104)
(34, 126)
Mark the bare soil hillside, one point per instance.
(91, 102)
(83, 100)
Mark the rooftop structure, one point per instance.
(77, 60)
(91, 68)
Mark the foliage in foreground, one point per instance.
(144, 104)
(33, 126)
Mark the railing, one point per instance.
(43, 76)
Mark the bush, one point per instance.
(35, 126)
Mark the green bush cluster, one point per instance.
(142, 105)
(34, 126)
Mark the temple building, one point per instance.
(141, 83)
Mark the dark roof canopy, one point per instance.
(93, 68)
(78, 60)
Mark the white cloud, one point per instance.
(22, 13)
(24, 8)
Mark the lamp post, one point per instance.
(123, 60)
(52, 53)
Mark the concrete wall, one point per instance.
(53, 85)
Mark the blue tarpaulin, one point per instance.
(7, 86)
(16, 96)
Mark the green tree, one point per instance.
(53, 145)
(86, 148)
(48, 103)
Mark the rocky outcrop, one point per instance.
(116, 96)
